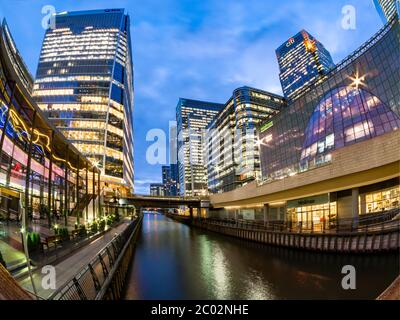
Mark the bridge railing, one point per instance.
(104, 276)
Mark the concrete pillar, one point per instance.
(363, 203)
(354, 205)
(266, 213)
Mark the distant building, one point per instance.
(387, 8)
(193, 117)
(302, 60)
(231, 148)
(84, 85)
(170, 179)
(157, 189)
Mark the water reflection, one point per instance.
(174, 261)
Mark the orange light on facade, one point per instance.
(357, 81)
(310, 45)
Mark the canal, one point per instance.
(175, 261)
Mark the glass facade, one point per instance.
(170, 179)
(192, 118)
(381, 200)
(358, 100)
(43, 178)
(346, 115)
(84, 84)
(231, 144)
(302, 60)
(157, 190)
(387, 8)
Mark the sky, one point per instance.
(200, 49)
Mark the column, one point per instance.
(87, 192)
(66, 198)
(363, 203)
(354, 206)
(94, 193)
(27, 177)
(50, 180)
(266, 213)
(77, 194)
(99, 194)
(191, 213)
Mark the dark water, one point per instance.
(174, 261)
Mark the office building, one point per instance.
(157, 189)
(43, 177)
(302, 60)
(332, 155)
(231, 144)
(193, 117)
(170, 179)
(84, 85)
(387, 9)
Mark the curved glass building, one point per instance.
(332, 154)
(84, 84)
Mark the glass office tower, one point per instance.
(170, 179)
(84, 84)
(192, 118)
(157, 189)
(231, 145)
(302, 60)
(387, 8)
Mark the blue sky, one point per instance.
(200, 49)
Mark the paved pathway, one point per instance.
(69, 267)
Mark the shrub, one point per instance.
(94, 227)
(62, 232)
(102, 225)
(82, 230)
(33, 241)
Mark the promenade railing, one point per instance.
(384, 221)
(104, 277)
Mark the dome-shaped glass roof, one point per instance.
(344, 116)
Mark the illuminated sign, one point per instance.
(266, 126)
(290, 42)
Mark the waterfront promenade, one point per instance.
(69, 266)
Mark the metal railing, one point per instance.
(103, 277)
(369, 223)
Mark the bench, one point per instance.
(51, 240)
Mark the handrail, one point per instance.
(382, 223)
(89, 282)
(106, 285)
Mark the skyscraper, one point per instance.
(157, 189)
(192, 118)
(302, 60)
(84, 84)
(231, 148)
(170, 179)
(387, 8)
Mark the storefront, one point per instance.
(380, 200)
(312, 213)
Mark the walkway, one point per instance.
(71, 265)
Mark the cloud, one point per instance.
(201, 49)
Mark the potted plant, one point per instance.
(102, 225)
(94, 227)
